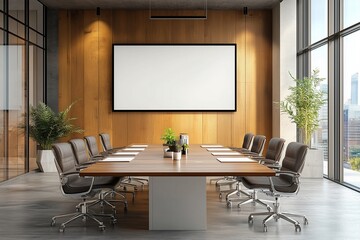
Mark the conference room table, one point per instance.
(177, 188)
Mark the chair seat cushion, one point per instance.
(77, 184)
(280, 184)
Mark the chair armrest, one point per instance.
(295, 176)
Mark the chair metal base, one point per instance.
(83, 212)
(276, 214)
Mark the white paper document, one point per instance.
(225, 153)
(133, 149)
(235, 160)
(218, 149)
(125, 153)
(117, 159)
(211, 146)
(139, 146)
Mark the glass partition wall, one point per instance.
(328, 39)
(22, 53)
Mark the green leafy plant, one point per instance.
(46, 127)
(303, 104)
(169, 137)
(355, 163)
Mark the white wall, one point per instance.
(284, 61)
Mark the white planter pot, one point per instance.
(177, 156)
(314, 161)
(46, 161)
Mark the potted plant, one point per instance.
(185, 148)
(169, 139)
(46, 127)
(177, 152)
(303, 106)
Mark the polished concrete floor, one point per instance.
(28, 202)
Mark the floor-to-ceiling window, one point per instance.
(21, 81)
(329, 36)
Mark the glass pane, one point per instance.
(17, 9)
(319, 61)
(1, 20)
(36, 38)
(14, 68)
(16, 28)
(2, 5)
(36, 85)
(3, 162)
(36, 15)
(319, 19)
(351, 12)
(351, 121)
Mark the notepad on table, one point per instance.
(211, 146)
(139, 146)
(225, 153)
(218, 149)
(235, 160)
(117, 159)
(126, 153)
(133, 149)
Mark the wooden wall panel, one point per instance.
(93, 81)
(91, 73)
(105, 73)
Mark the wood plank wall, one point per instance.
(85, 73)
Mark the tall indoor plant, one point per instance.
(46, 127)
(303, 106)
(304, 103)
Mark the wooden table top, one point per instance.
(199, 162)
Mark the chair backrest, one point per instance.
(248, 138)
(105, 141)
(294, 159)
(258, 144)
(80, 151)
(275, 148)
(64, 158)
(91, 143)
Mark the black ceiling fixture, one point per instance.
(155, 15)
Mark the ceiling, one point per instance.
(164, 4)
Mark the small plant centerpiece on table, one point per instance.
(169, 139)
(185, 148)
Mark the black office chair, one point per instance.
(271, 159)
(228, 180)
(256, 148)
(106, 144)
(83, 161)
(80, 152)
(72, 185)
(286, 183)
(93, 149)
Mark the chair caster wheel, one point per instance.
(220, 195)
(269, 209)
(251, 219)
(62, 228)
(265, 228)
(228, 204)
(52, 223)
(114, 221)
(102, 228)
(306, 221)
(297, 228)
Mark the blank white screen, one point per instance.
(174, 78)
